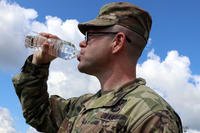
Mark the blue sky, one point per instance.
(174, 46)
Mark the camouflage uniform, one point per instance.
(132, 108)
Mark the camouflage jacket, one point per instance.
(132, 108)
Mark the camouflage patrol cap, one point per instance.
(121, 13)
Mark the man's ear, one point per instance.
(118, 42)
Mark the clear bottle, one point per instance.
(62, 49)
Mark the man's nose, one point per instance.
(82, 44)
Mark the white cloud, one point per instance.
(66, 81)
(31, 130)
(172, 78)
(192, 131)
(66, 30)
(6, 121)
(15, 22)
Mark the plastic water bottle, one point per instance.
(61, 48)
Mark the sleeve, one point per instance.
(159, 122)
(43, 113)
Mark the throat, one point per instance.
(111, 84)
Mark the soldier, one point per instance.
(114, 41)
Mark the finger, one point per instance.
(44, 34)
(48, 35)
(53, 36)
(45, 48)
(49, 50)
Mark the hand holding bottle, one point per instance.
(42, 56)
(51, 47)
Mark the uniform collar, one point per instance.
(112, 97)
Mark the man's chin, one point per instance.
(83, 69)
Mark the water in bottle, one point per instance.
(63, 49)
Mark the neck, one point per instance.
(116, 76)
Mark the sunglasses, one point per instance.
(89, 34)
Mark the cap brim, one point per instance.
(95, 23)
